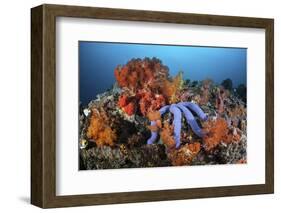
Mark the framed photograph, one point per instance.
(137, 106)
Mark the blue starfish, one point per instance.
(177, 110)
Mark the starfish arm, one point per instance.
(190, 120)
(154, 134)
(195, 108)
(177, 123)
(164, 109)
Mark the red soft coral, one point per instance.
(138, 74)
(149, 101)
(129, 108)
(123, 101)
(127, 104)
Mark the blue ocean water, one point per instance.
(97, 61)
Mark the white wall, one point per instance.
(15, 106)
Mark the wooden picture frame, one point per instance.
(43, 105)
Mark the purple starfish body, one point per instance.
(195, 108)
(177, 123)
(191, 120)
(177, 110)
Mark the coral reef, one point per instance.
(151, 119)
(106, 157)
(171, 88)
(167, 135)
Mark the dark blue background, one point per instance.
(97, 61)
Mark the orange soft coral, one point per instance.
(232, 136)
(99, 129)
(127, 104)
(154, 115)
(185, 154)
(171, 88)
(216, 132)
(167, 135)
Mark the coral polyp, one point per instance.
(177, 110)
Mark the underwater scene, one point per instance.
(150, 105)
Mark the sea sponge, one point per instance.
(99, 129)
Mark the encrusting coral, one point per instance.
(99, 129)
(177, 110)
